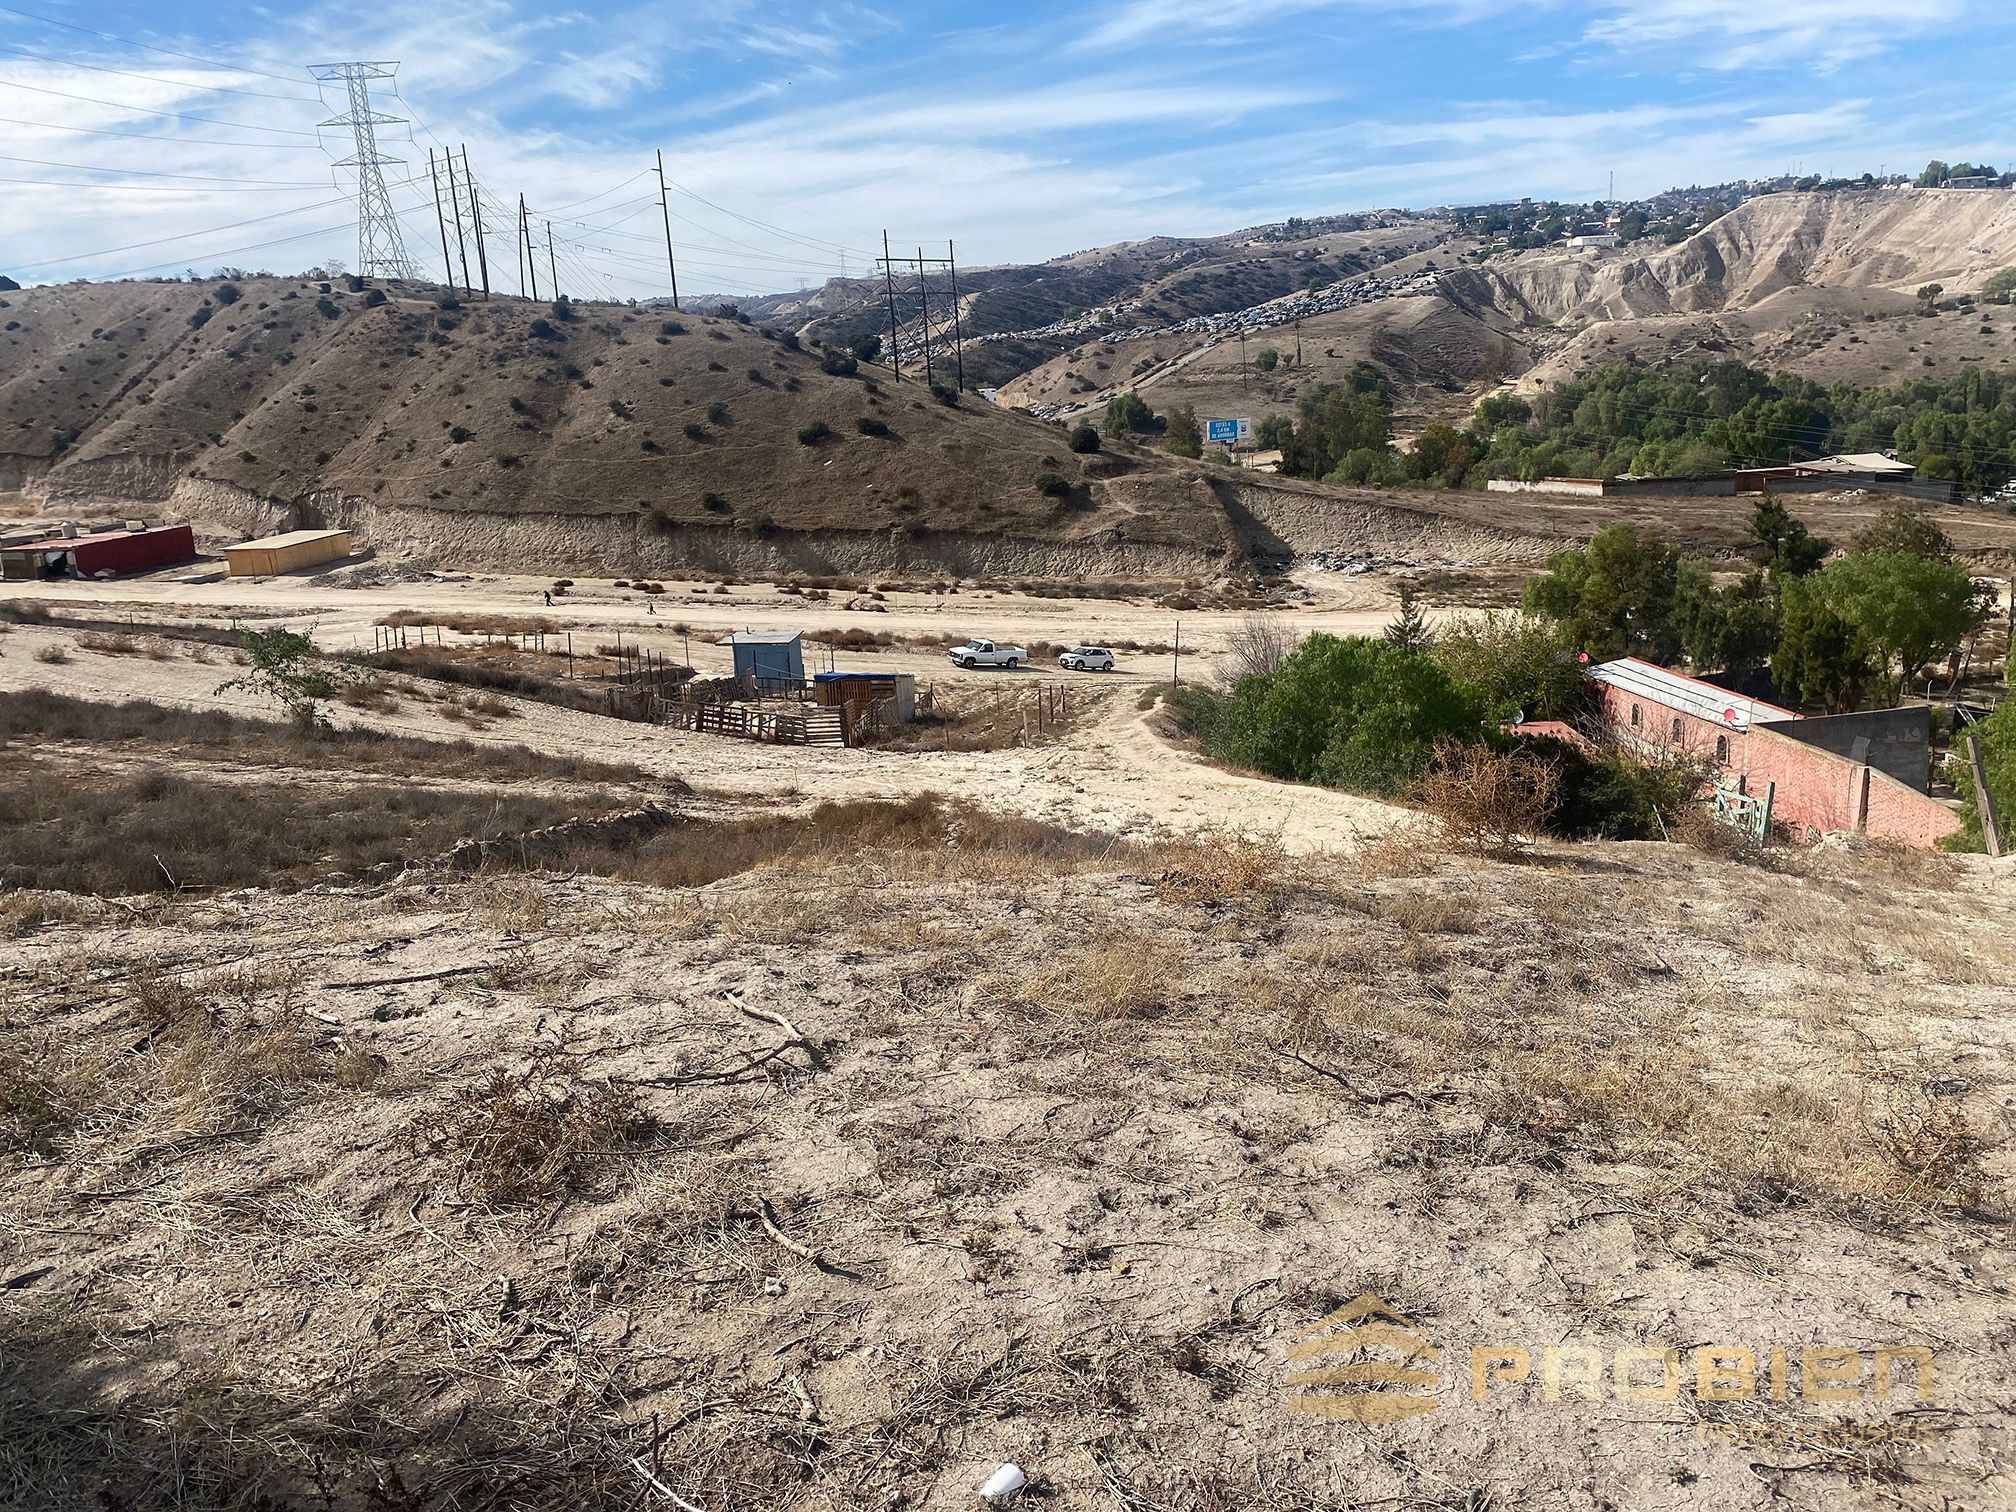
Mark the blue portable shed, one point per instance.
(769, 656)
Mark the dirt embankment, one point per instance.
(584, 436)
(1281, 520)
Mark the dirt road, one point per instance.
(1110, 772)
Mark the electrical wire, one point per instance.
(127, 73)
(177, 115)
(147, 46)
(201, 178)
(135, 188)
(145, 136)
(207, 231)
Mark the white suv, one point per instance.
(1086, 659)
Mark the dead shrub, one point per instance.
(1255, 647)
(1486, 801)
(535, 1133)
(1107, 984)
(108, 645)
(54, 656)
(1221, 865)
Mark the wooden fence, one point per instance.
(806, 724)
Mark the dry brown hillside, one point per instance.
(501, 435)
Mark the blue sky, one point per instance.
(139, 137)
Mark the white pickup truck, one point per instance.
(984, 653)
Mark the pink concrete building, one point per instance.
(1869, 772)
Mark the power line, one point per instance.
(187, 235)
(147, 46)
(127, 73)
(201, 178)
(146, 136)
(135, 188)
(176, 115)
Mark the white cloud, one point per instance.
(1737, 34)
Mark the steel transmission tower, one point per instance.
(381, 250)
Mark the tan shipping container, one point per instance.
(286, 553)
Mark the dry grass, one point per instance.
(535, 1133)
(67, 830)
(476, 624)
(42, 716)
(1051, 1166)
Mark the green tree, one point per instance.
(866, 348)
(1615, 597)
(1909, 529)
(1785, 548)
(1732, 629)
(1128, 414)
(1273, 431)
(1356, 713)
(1182, 434)
(1908, 609)
(1082, 438)
(1410, 626)
(284, 666)
(1513, 664)
(1935, 174)
(1266, 360)
(1821, 655)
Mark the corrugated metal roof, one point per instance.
(1688, 695)
(91, 538)
(759, 638)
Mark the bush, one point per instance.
(813, 433)
(695, 432)
(671, 328)
(1485, 800)
(1356, 713)
(1514, 664)
(1083, 438)
(717, 412)
(200, 317)
(838, 363)
(866, 348)
(713, 503)
(545, 330)
(1053, 485)
(1996, 736)
(944, 393)
(1614, 794)
(229, 294)
(868, 425)
(373, 298)
(458, 434)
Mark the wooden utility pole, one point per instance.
(889, 284)
(665, 209)
(434, 178)
(455, 205)
(476, 220)
(1176, 660)
(1984, 801)
(958, 337)
(531, 258)
(552, 262)
(924, 294)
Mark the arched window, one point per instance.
(1637, 717)
(1722, 748)
(1676, 732)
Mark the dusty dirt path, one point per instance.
(1110, 772)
